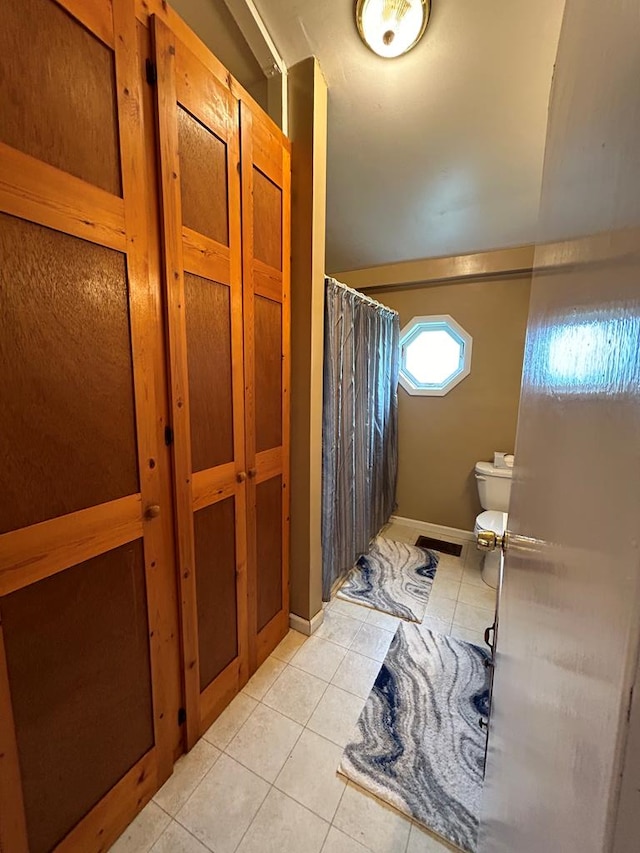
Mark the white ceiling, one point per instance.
(438, 152)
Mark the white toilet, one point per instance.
(494, 488)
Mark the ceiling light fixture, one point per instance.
(392, 27)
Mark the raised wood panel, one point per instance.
(164, 49)
(269, 463)
(80, 686)
(213, 485)
(203, 96)
(215, 536)
(268, 373)
(146, 315)
(105, 822)
(67, 426)
(41, 193)
(267, 281)
(70, 126)
(95, 15)
(267, 220)
(209, 360)
(269, 549)
(203, 179)
(204, 257)
(268, 145)
(286, 384)
(34, 553)
(13, 825)
(82, 319)
(266, 195)
(215, 698)
(206, 369)
(159, 551)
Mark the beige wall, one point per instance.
(308, 133)
(214, 24)
(441, 438)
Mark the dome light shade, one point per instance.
(392, 27)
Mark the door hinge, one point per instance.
(152, 72)
(182, 716)
(168, 436)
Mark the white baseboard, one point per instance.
(306, 626)
(438, 531)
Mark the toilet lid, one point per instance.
(492, 519)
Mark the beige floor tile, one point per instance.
(400, 533)
(372, 642)
(356, 674)
(444, 587)
(441, 608)
(380, 828)
(338, 629)
(284, 826)
(319, 657)
(440, 626)
(450, 572)
(421, 841)
(475, 618)
(295, 694)
(473, 558)
(448, 561)
(230, 720)
(187, 773)
(223, 805)
(338, 842)
(264, 742)
(469, 636)
(144, 831)
(477, 596)
(349, 608)
(383, 620)
(309, 775)
(176, 839)
(336, 715)
(287, 647)
(473, 576)
(466, 546)
(262, 680)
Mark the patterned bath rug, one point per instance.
(418, 744)
(393, 577)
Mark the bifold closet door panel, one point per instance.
(88, 697)
(198, 131)
(266, 181)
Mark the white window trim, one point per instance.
(445, 319)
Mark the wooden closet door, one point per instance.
(266, 192)
(199, 157)
(88, 704)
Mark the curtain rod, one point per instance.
(360, 295)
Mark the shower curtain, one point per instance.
(360, 426)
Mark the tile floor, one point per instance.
(263, 777)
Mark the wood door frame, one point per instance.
(264, 147)
(37, 192)
(180, 75)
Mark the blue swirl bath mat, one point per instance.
(418, 744)
(393, 577)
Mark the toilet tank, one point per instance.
(494, 486)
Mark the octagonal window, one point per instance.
(435, 354)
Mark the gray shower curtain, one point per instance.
(360, 426)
